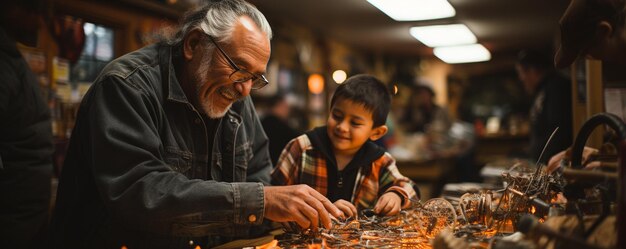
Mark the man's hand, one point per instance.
(388, 204)
(555, 161)
(588, 152)
(299, 203)
(346, 207)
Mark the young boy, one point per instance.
(340, 160)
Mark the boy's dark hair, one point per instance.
(368, 91)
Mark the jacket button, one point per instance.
(197, 121)
(252, 218)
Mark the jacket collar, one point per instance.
(173, 89)
(363, 157)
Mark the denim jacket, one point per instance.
(138, 171)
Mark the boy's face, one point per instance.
(349, 126)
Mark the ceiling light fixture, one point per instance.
(443, 35)
(463, 54)
(414, 10)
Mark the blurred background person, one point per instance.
(25, 133)
(276, 125)
(593, 28)
(428, 123)
(428, 132)
(551, 106)
(604, 19)
(421, 112)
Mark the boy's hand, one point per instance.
(388, 204)
(346, 207)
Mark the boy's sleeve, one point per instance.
(392, 181)
(288, 165)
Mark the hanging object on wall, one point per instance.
(69, 35)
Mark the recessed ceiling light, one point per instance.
(463, 53)
(443, 35)
(414, 10)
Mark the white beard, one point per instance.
(209, 107)
(213, 111)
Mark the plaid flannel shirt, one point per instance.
(300, 163)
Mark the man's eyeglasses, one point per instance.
(242, 75)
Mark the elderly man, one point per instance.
(167, 150)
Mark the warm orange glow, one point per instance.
(490, 232)
(316, 83)
(124, 247)
(532, 209)
(271, 245)
(197, 247)
(318, 246)
(395, 89)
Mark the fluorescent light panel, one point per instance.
(414, 10)
(443, 35)
(463, 54)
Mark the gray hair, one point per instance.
(217, 18)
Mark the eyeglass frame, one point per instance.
(255, 78)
